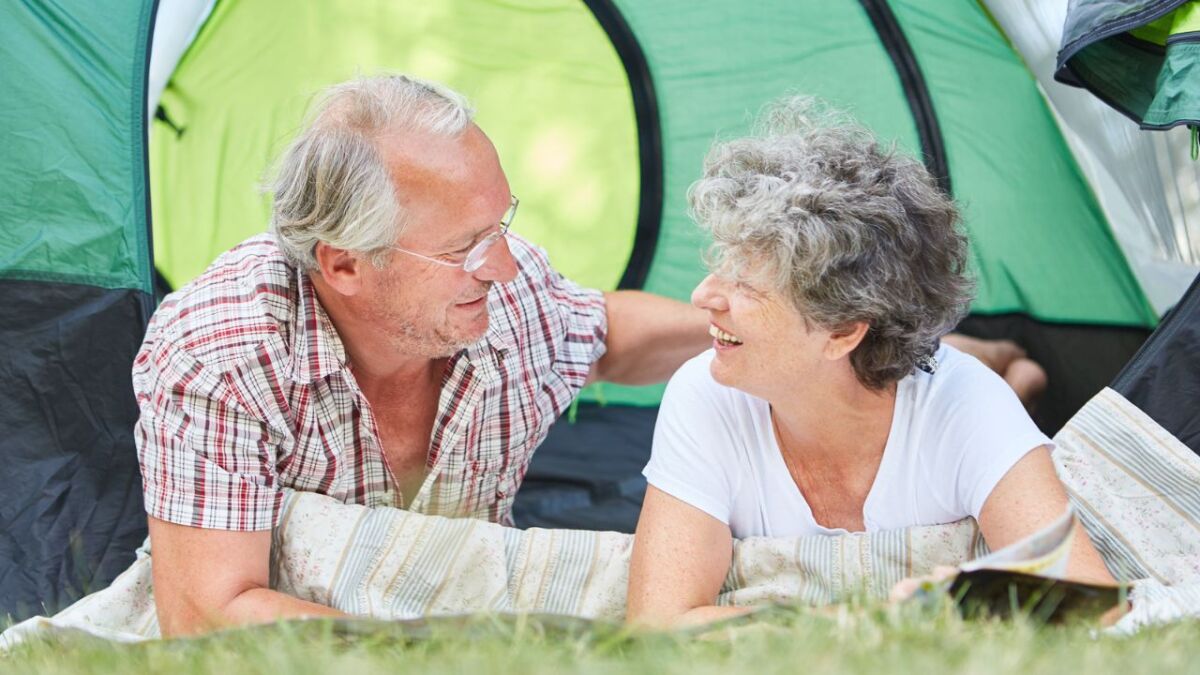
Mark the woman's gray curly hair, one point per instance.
(848, 230)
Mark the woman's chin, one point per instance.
(722, 371)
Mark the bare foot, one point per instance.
(1026, 378)
(906, 588)
(995, 354)
(1009, 361)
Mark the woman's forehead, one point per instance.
(742, 264)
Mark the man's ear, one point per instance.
(339, 268)
(845, 338)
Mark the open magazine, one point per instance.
(1027, 578)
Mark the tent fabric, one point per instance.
(1163, 378)
(587, 474)
(176, 24)
(1025, 203)
(72, 496)
(1024, 199)
(1131, 484)
(74, 207)
(546, 80)
(1139, 56)
(1146, 184)
(75, 277)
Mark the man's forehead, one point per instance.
(420, 160)
(454, 186)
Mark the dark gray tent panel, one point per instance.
(75, 278)
(1163, 379)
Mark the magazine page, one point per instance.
(1044, 553)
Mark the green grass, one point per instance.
(843, 640)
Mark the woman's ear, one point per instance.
(844, 339)
(339, 268)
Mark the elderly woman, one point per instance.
(826, 404)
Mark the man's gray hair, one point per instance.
(332, 185)
(813, 206)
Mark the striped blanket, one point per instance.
(1135, 487)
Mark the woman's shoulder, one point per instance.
(959, 378)
(965, 402)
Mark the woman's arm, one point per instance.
(1029, 497)
(681, 556)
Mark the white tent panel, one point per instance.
(175, 26)
(1145, 181)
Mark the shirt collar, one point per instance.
(317, 350)
(498, 339)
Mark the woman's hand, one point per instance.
(905, 589)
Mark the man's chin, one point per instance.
(468, 334)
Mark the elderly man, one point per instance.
(389, 343)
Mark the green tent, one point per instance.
(601, 111)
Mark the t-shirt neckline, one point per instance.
(902, 395)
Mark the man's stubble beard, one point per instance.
(432, 342)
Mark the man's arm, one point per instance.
(210, 579)
(649, 337)
(1006, 359)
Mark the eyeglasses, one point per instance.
(478, 253)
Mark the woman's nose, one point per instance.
(709, 295)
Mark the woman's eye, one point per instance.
(747, 290)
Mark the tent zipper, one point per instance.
(649, 132)
(933, 145)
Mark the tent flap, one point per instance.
(1142, 57)
(1163, 378)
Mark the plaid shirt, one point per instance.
(244, 391)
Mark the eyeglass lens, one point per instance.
(478, 255)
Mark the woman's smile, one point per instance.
(723, 340)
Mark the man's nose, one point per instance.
(499, 265)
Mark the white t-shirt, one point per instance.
(954, 435)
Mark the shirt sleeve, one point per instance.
(574, 318)
(694, 443)
(206, 462)
(984, 432)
